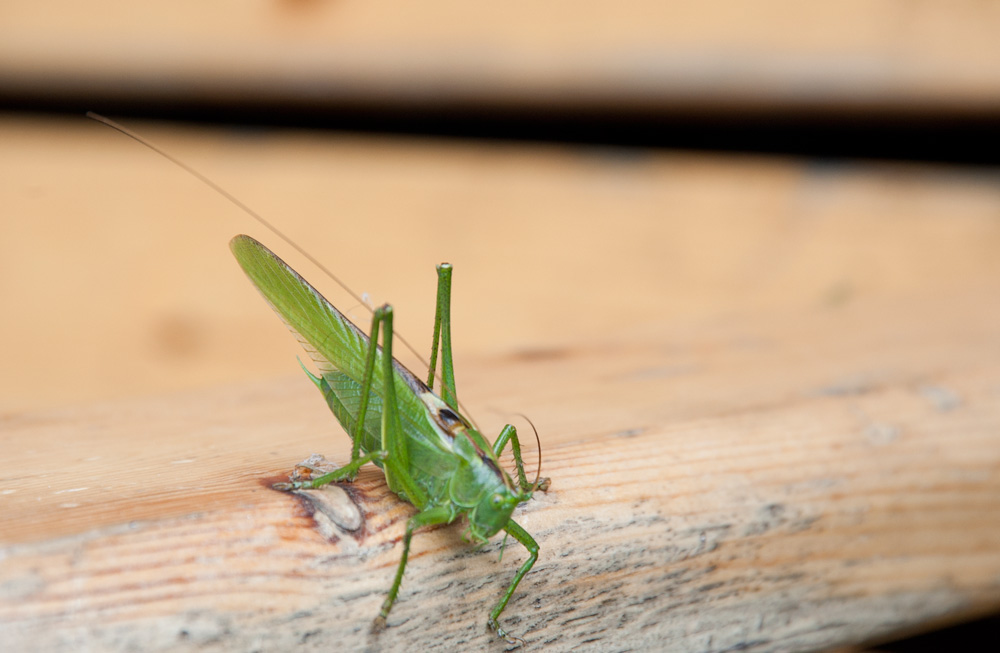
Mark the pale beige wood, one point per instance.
(768, 394)
(664, 55)
(786, 482)
(117, 280)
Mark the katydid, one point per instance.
(432, 456)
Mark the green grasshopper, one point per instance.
(432, 457)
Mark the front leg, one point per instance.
(531, 545)
(509, 433)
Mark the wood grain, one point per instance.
(817, 508)
(769, 403)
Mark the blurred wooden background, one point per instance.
(719, 55)
(652, 309)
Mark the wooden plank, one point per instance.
(117, 262)
(787, 482)
(767, 396)
(893, 56)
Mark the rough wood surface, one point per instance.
(661, 55)
(773, 426)
(845, 483)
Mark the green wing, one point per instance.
(337, 347)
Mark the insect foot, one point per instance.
(378, 625)
(504, 635)
(305, 472)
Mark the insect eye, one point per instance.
(448, 416)
(496, 500)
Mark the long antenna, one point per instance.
(246, 209)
